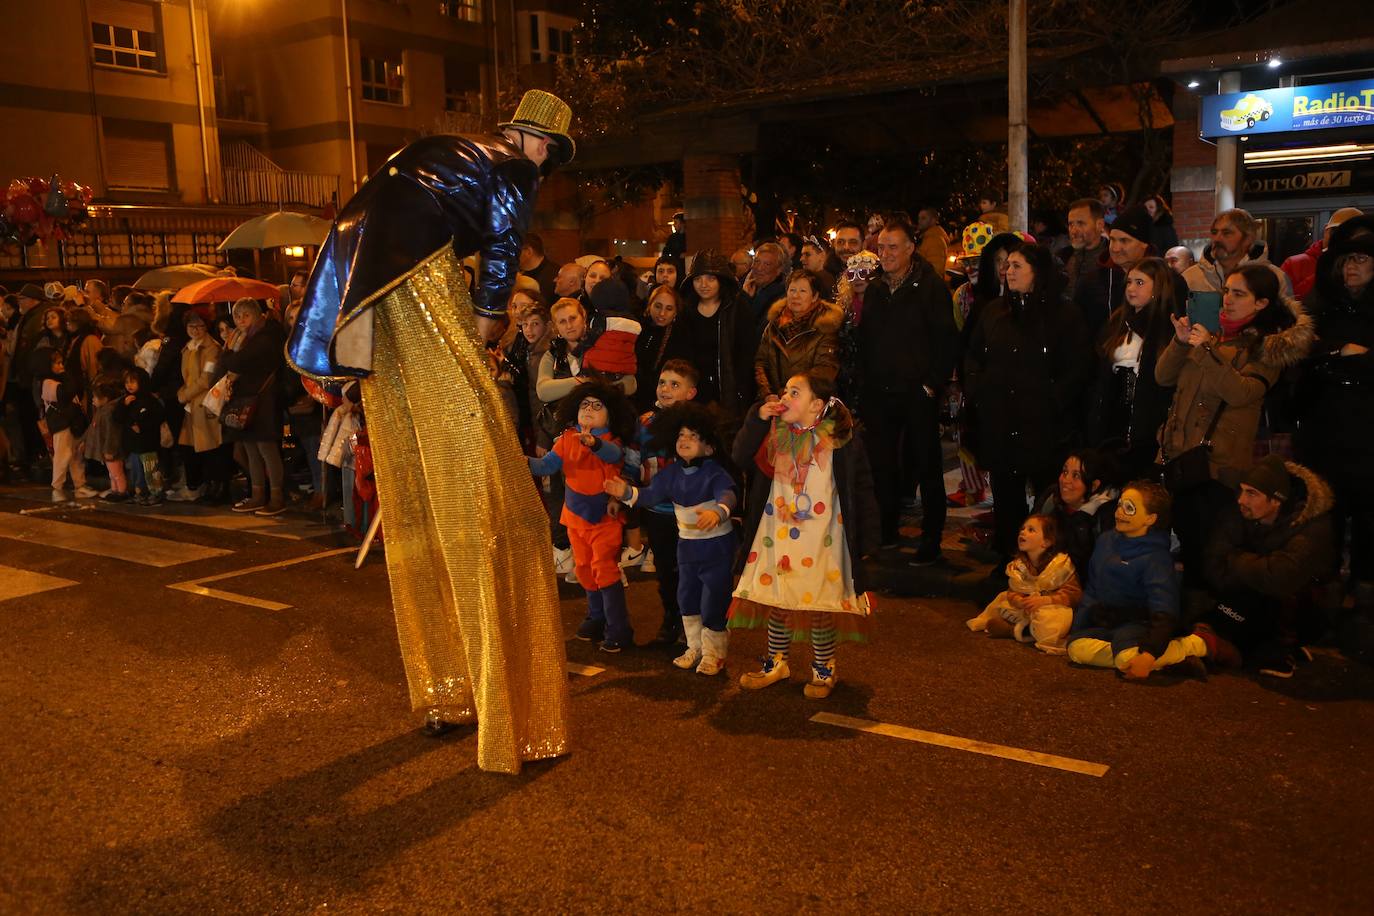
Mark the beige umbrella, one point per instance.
(175, 276)
(278, 230)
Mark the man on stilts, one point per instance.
(467, 541)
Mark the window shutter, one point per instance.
(138, 155)
(126, 13)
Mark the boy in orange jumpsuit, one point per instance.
(595, 418)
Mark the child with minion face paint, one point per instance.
(1129, 614)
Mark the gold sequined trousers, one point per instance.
(467, 540)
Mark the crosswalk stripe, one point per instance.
(963, 744)
(101, 542)
(584, 670)
(245, 524)
(197, 586)
(17, 583)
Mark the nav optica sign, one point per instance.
(1272, 111)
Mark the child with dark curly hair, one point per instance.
(703, 496)
(596, 419)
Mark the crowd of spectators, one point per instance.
(1173, 444)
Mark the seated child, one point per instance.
(677, 384)
(703, 495)
(1130, 611)
(1042, 590)
(596, 418)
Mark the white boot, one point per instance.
(691, 627)
(714, 644)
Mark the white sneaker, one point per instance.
(711, 665)
(562, 560)
(631, 557)
(86, 492)
(183, 495)
(648, 564)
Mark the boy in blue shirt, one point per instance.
(702, 494)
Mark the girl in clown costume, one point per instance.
(811, 517)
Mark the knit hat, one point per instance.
(1270, 476)
(52, 290)
(1135, 222)
(610, 297)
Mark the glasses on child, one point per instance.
(590, 404)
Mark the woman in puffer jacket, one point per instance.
(1261, 334)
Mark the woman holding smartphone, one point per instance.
(1221, 381)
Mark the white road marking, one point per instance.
(102, 542)
(584, 670)
(197, 586)
(963, 744)
(16, 583)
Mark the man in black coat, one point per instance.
(535, 265)
(907, 345)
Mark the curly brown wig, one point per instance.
(706, 422)
(621, 411)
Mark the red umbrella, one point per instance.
(225, 289)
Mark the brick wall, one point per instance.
(1193, 175)
(715, 214)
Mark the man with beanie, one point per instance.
(1262, 563)
(1128, 243)
(19, 389)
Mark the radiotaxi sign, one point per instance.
(1272, 111)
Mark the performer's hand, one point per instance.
(616, 487)
(587, 439)
(1139, 668)
(707, 519)
(540, 451)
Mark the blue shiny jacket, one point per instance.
(476, 193)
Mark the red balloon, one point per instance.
(24, 209)
(37, 186)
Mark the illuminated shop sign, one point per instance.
(1271, 111)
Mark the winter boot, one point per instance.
(774, 669)
(618, 633)
(714, 644)
(594, 626)
(692, 627)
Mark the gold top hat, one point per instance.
(545, 113)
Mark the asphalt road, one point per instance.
(169, 752)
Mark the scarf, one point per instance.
(1230, 329)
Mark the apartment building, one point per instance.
(188, 116)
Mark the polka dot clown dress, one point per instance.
(798, 562)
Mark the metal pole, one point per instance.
(348, 88)
(1227, 151)
(200, 102)
(1017, 168)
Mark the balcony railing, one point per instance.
(252, 178)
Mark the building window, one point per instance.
(138, 155)
(124, 35)
(549, 38)
(383, 80)
(462, 87)
(466, 10)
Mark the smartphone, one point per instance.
(1204, 308)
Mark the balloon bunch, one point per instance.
(41, 208)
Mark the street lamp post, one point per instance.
(1017, 168)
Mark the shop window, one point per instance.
(124, 35)
(548, 38)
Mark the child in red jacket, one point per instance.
(595, 419)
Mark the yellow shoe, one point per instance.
(822, 681)
(774, 669)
